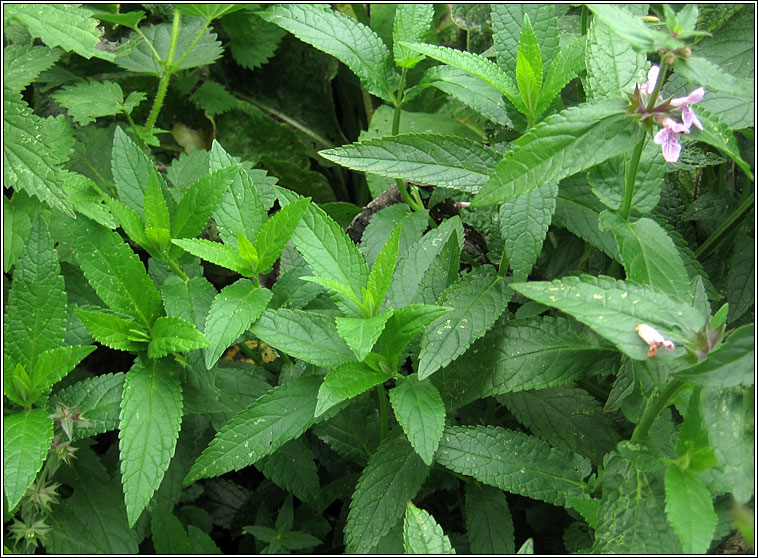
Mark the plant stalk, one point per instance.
(166, 72)
(652, 412)
(725, 228)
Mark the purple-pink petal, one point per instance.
(689, 118)
(668, 139)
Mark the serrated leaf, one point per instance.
(99, 400)
(113, 331)
(422, 534)
(139, 57)
(293, 468)
(233, 310)
(567, 64)
(52, 365)
(406, 323)
(253, 41)
(23, 63)
(740, 278)
(131, 171)
(16, 224)
(383, 223)
(412, 23)
(281, 415)
(151, 415)
(199, 202)
(712, 76)
(448, 161)
(168, 534)
(217, 253)
(689, 510)
(209, 11)
(612, 65)
(32, 162)
(524, 221)
(129, 19)
(529, 66)
(156, 210)
(35, 315)
(612, 308)
(68, 26)
(87, 101)
(561, 145)
(489, 525)
(514, 462)
(275, 234)
(304, 335)
(190, 301)
(719, 135)
(393, 475)
(26, 441)
(360, 334)
(354, 44)
(477, 300)
(419, 409)
(170, 335)
(87, 199)
(380, 276)
(345, 382)
(631, 28)
(506, 26)
(114, 271)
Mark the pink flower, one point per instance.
(668, 139)
(648, 87)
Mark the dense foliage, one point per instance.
(378, 278)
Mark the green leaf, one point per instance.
(190, 301)
(223, 255)
(114, 331)
(87, 199)
(99, 399)
(514, 462)
(208, 11)
(612, 308)
(524, 221)
(354, 431)
(566, 66)
(275, 234)
(422, 534)
(489, 525)
(360, 334)
(304, 335)
(563, 144)
(712, 76)
(649, 255)
(689, 510)
(200, 51)
(170, 335)
(719, 135)
(129, 19)
(477, 300)
(293, 468)
(383, 223)
(740, 278)
(16, 224)
(404, 325)
(26, 441)
(114, 271)
(151, 415)
(199, 202)
(730, 364)
(612, 65)
(53, 365)
(529, 66)
(380, 276)
(32, 162)
(168, 534)
(419, 409)
(566, 417)
(131, 171)
(345, 382)
(357, 46)
(448, 161)
(412, 23)
(253, 41)
(87, 101)
(35, 316)
(393, 475)
(233, 310)
(68, 26)
(281, 415)
(335, 287)
(23, 63)
(156, 210)
(631, 28)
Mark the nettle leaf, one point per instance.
(199, 202)
(522, 354)
(489, 525)
(383, 224)
(354, 44)
(563, 144)
(169, 335)
(26, 441)
(524, 221)
(17, 220)
(114, 271)
(35, 316)
(404, 325)
(168, 534)
(712, 76)
(131, 171)
(32, 162)
(740, 278)
(719, 135)
(67, 26)
(507, 20)
(689, 509)
(208, 11)
(281, 415)
(419, 409)
(393, 476)
(252, 41)
(190, 301)
(612, 308)
(88, 199)
(87, 101)
(529, 66)
(566, 66)
(612, 65)
(139, 56)
(275, 234)
(53, 365)
(412, 23)
(345, 382)
(151, 415)
(23, 63)
(233, 310)
(304, 335)
(422, 534)
(477, 300)
(380, 276)
(99, 400)
(360, 334)
(111, 330)
(631, 28)
(514, 462)
(293, 468)
(129, 19)
(217, 253)
(474, 64)
(449, 161)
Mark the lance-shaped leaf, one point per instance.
(131, 171)
(730, 364)
(489, 524)
(199, 202)
(305, 335)
(412, 23)
(23, 63)
(114, 271)
(419, 409)
(114, 331)
(360, 334)
(422, 534)
(561, 145)
(711, 76)
(233, 310)
(347, 381)
(566, 66)
(719, 135)
(26, 441)
(151, 415)
(275, 234)
(633, 29)
(612, 65)
(223, 255)
(514, 462)
(190, 301)
(393, 476)
(612, 308)
(53, 365)
(280, 415)
(449, 161)
(381, 272)
(170, 335)
(477, 300)
(354, 44)
(99, 399)
(87, 101)
(529, 66)
(689, 509)
(405, 324)
(157, 220)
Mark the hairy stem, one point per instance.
(166, 73)
(651, 413)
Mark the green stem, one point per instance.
(585, 13)
(178, 270)
(413, 204)
(166, 72)
(630, 178)
(652, 412)
(725, 228)
(504, 262)
(384, 410)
